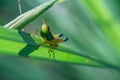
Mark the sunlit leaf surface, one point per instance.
(23, 44)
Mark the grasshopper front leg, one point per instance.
(50, 51)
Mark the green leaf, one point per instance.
(22, 20)
(27, 45)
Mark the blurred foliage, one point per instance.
(93, 30)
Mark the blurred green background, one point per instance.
(93, 28)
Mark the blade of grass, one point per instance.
(23, 44)
(22, 20)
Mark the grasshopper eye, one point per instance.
(65, 39)
(60, 35)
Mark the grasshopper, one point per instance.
(50, 38)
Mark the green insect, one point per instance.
(51, 39)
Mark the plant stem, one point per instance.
(19, 6)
